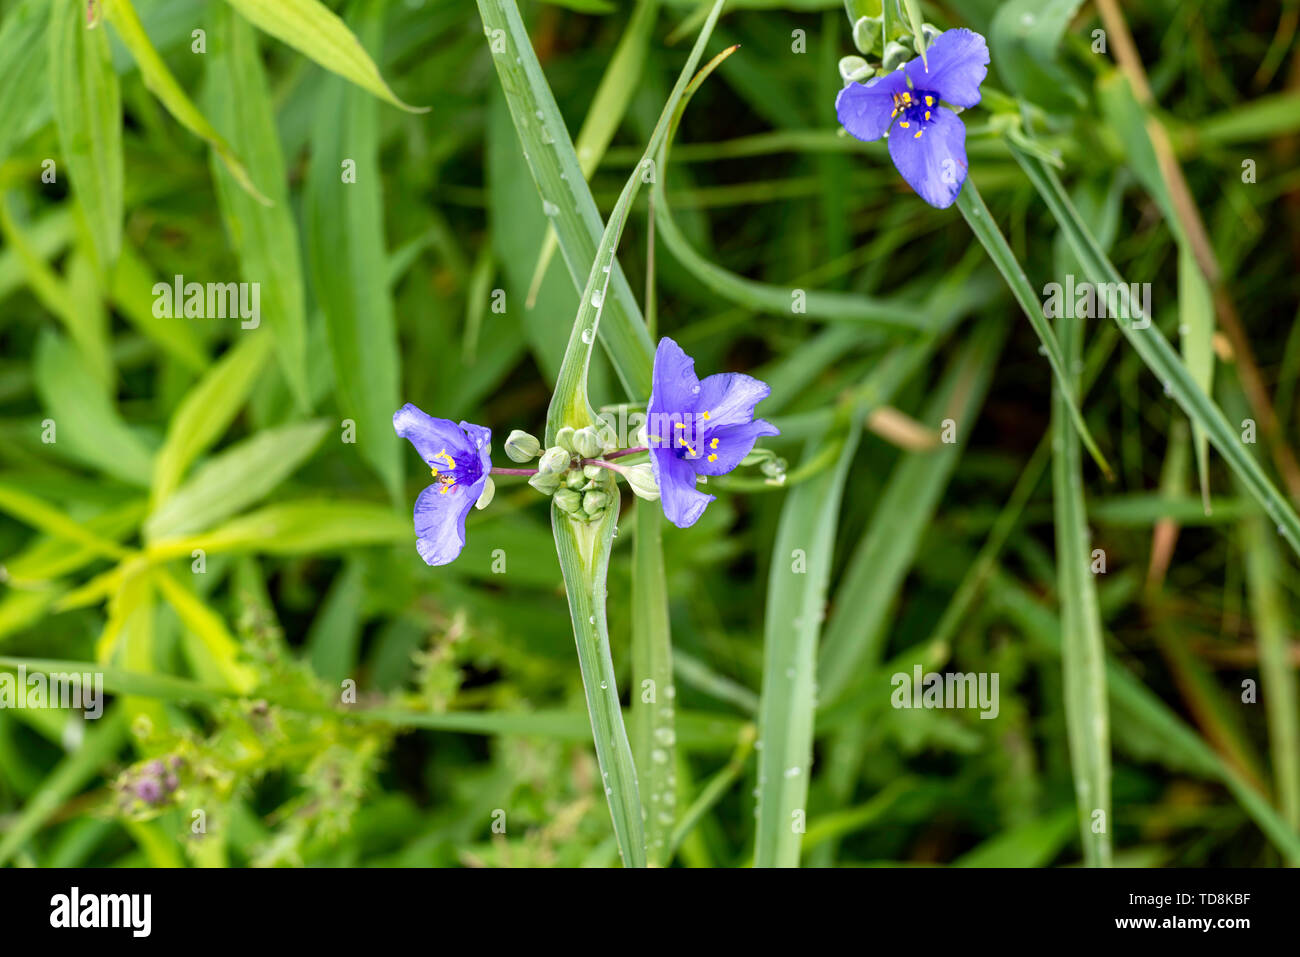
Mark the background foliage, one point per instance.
(178, 438)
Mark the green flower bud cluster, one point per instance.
(579, 490)
(886, 34)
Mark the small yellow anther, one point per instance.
(904, 124)
(918, 134)
(713, 457)
(929, 101)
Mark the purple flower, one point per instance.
(927, 142)
(697, 428)
(460, 457)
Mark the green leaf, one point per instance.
(986, 231)
(608, 106)
(207, 411)
(345, 243)
(24, 74)
(563, 190)
(1083, 653)
(316, 32)
(1023, 40)
(39, 514)
(206, 625)
(1154, 350)
(132, 289)
(121, 14)
(98, 750)
(87, 426)
(88, 114)
(583, 550)
(654, 733)
(297, 528)
(1196, 336)
(266, 238)
(796, 595)
(236, 478)
(859, 622)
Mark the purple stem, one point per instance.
(497, 471)
(622, 452)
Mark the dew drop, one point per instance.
(550, 209)
(597, 298)
(587, 336)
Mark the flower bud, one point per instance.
(522, 447)
(545, 482)
(594, 501)
(567, 500)
(586, 443)
(854, 68)
(608, 437)
(592, 471)
(895, 55)
(642, 480)
(866, 33)
(575, 479)
(554, 459)
(485, 497)
(564, 438)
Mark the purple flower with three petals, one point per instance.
(460, 458)
(927, 141)
(697, 428)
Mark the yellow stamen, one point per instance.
(713, 456)
(918, 134)
(929, 101)
(927, 114)
(447, 488)
(694, 454)
(706, 416)
(451, 463)
(713, 444)
(904, 124)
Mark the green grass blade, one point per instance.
(569, 403)
(1154, 350)
(1264, 574)
(315, 31)
(654, 733)
(266, 238)
(88, 426)
(238, 477)
(99, 748)
(158, 78)
(986, 231)
(796, 594)
(858, 626)
(563, 190)
(24, 74)
(345, 243)
(1083, 654)
(1196, 334)
(608, 107)
(88, 114)
(206, 412)
(583, 550)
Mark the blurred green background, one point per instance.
(221, 516)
